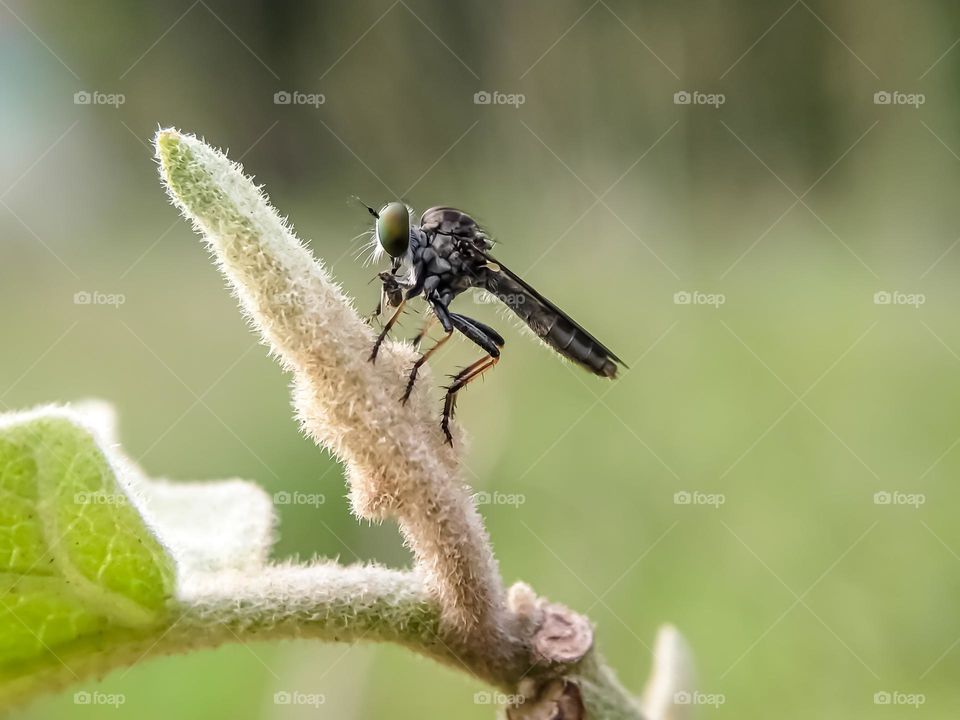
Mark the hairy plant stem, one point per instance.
(165, 568)
(452, 607)
(324, 602)
(398, 465)
(283, 604)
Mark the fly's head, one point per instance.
(393, 229)
(391, 232)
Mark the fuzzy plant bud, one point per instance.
(672, 678)
(397, 463)
(104, 566)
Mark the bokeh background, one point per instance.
(779, 401)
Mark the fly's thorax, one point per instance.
(442, 245)
(446, 267)
(452, 256)
(418, 241)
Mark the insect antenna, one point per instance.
(369, 209)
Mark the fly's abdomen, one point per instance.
(553, 326)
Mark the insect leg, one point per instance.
(386, 329)
(425, 328)
(378, 309)
(460, 381)
(440, 313)
(483, 329)
(419, 363)
(391, 294)
(486, 338)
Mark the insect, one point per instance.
(447, 254)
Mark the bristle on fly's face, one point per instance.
(370, 250)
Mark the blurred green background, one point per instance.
(779, 401)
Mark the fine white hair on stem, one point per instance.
(397, 462)
(452, 607)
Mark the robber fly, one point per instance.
(446, 254)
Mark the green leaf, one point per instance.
(101, 566)
(76, 557)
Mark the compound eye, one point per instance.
(393, 229)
